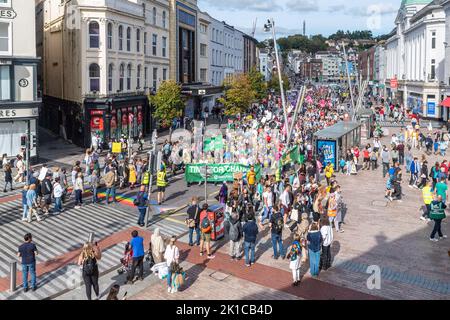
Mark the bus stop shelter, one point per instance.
(331, 143)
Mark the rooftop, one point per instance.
(338, 130)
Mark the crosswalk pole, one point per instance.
(91, 237)
(12, 276)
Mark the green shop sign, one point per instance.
(217, 172)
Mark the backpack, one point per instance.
(139, 201)
(89, 266)
(206, 225)
(234, 232)
(278, 225)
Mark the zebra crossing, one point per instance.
(17, 187)
(66, 278)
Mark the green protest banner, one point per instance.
(292, 156)
(217, 172)
(213, 143)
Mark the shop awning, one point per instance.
(446, 103)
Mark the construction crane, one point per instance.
(254, 27)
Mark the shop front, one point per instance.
(15, 120)
(415, 103)
(199, 96)
(114, 118)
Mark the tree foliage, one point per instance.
(258, 83)
(239, 95)
(274, 83)
(168, 102)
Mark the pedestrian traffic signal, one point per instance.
(23, 141)
(33, 141)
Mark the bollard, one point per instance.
(91, 237)
(12, 276)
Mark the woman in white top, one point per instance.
(157, 246)
(79, 189)
(171, 255)
(327, 236)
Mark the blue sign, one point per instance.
(327, 148)
(431, 108)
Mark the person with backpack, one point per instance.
(8, 177)
(250, 231)
(141, 202)
(137, 246)
(88, 259)
(294, 255)
(47, 191)
(206, 228)
(276, 228)
(193, 221)
(233, 228)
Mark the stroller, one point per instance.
(127, 260)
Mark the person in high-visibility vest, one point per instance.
(332, 207)
(161, 183)
(427, 196)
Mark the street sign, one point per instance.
(201, 92)
(394, 83)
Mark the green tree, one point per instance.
(274, 83)
(258, 83)
(239, 95)
(168, 102)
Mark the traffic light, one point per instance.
(23, 141)
(33, 142)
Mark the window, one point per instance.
(187, 18)
(94, 77)
(164, 46)
(120, 38)
(145, 77)
(5, 83)
(203, 50)
(433, 69)
(110, 77)
(164, 74)
(5, 3)
(121, 76)
(155, 75)
(94, 39)
(203, 75)
(145, 42)
(154, 16)
(164, 19)
(138, 40)
(129, 76)
(433, 40)
(154, 43)
(128, 39)
(110, 35)
(203, 28)
(138, 77)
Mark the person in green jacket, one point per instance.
(437, 213)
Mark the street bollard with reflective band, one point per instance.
(12, 276)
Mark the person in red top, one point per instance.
(366, 158)
(445, 166)
(356, 154)
(206, 225)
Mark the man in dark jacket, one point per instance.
(233, 228)
(276, 228)
(194, 214)
(47, 190)
(250, 230)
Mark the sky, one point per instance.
(322, 16)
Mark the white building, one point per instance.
(331, 65)
(203, 47)
(380, 69)
(416, 57)
(265, 64)
(19, 100)
(102, 58)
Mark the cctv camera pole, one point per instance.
(280, 78)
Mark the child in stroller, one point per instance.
(127, 260)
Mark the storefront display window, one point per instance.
(97, 124)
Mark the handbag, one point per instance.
(191, 222)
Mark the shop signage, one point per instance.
(431, 108)
(23, 83)
(7, 14)
(328, 150)
(394, 83)
(116, 147)
(19, 113)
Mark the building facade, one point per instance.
(19, 98)
(331, 62)
(250, 53)
(265, 64)
(102, 59)
(415, 55)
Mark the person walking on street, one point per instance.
(172, 256)
(276, 228)
(137, 246)
(79, 189)
(427, 196)
(206, 228)
(88, 261)
(141, 202)
(233, 228)
(47, 191)
(28, 252)
(8, 177)
(294, 256)
(250, 230)
(24, 203)
(32, 203)
(95, 181)
(385, 159)
(314, 242)
(20, 165)
(58, 192)
(193, 221)
(110, 183)
(437, 213)
(327, 235)
(157, 246)
(161, 183)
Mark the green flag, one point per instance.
(213, 143)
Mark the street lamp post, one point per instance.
(152, 154)
(348, 75)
